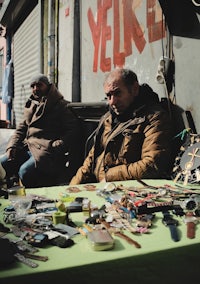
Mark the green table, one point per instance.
(159, 259)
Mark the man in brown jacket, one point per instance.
(45, 143)
(133, 139)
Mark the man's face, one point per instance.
(118, 95)
(39, 89)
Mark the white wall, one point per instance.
(187, 75)
(143, 60)
(65, 47)
(141, 54)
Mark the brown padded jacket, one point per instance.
(137, 147)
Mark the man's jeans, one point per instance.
(23, 167)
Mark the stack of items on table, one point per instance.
(38, 221)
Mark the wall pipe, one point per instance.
(51, 40)
(9, 113)
(76, 83)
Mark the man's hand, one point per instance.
(11, 153)
(57, 145)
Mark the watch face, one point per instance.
(187, 163)
(191, 205)
(191, 158)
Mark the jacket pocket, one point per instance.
(131, 146)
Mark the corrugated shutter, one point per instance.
(27, 60)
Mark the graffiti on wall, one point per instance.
(125, 30)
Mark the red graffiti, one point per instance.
(124, 15)
(132, 29)
(156, 30)
(67, 12)
(105, 63)
(96, 32)
(118, 57)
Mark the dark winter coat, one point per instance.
(46, 122)
(135, 145)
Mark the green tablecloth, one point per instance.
(159, 259)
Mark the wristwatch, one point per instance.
(190, 221)
(187, 164)
(190, 204)
(172, 224)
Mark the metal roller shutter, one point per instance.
(27, 60)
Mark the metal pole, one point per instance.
(51, 40)
(76, 84)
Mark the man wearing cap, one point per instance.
(44, 143)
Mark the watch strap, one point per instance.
(190, 221)
(128, 239)
(172, 225)
(119, 234)
(20, 257)
(34, 256)
(191, 230)
(174, 232)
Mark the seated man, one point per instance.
(2, 174)
(133, 139)
(45, 141)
